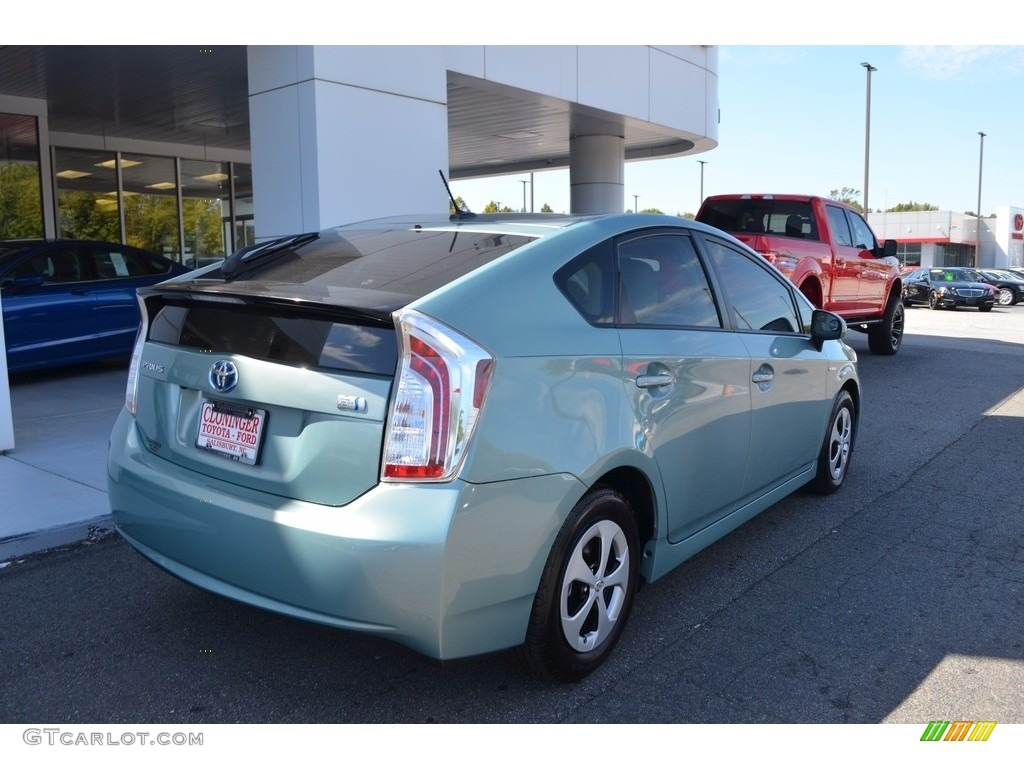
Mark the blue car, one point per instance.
(68, 301)
(471, 434)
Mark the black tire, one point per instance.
(1006, 297)
(933, 301)
(837, 447)
(985, 308)
(886, 337)
(586, 589)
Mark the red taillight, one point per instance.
(440, 389)
(426, 411)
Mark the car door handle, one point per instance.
(654, 380)
(760, 376)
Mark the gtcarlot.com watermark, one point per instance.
(61, 737)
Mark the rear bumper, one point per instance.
(449, 570)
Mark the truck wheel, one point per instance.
(886, 337)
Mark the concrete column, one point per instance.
(345, 133)
(596, 174)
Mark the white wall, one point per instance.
(343, 133)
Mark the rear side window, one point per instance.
(588, 281)
(112, 263)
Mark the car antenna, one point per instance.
(459, 212)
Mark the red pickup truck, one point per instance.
(828, 250)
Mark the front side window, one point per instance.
(757, 299)
(56, 265)
(839, 226)
(863, 237)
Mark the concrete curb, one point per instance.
(34, 542)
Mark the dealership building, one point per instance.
(281, 139)
(949, 239)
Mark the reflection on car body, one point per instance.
(551, 410)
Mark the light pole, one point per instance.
(977, 229)
(524, 182)
(867, 134)
(702, 164)
(636, 205)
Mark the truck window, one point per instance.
(839, 226)
(792, 219)
(863, 237)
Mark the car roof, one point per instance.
(335, 256)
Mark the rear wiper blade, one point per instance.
(252, 255)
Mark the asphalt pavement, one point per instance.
(898, 599)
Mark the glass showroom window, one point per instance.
(245, 230)
(205, 207)
(86, 183)
(151, 204)
(909, 254)
(21, 198)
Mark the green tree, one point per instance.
(687, 215)
(151, 222)
(204, 235)
(546, 209)
(493, 207)
(21, 211)
(651, 210)
(848, 195)
(85, 216)
(912, 206)
(460, 203)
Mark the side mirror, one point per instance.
(826, 326)
(889, 247)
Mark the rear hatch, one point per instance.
(275, 374)
(286, 402)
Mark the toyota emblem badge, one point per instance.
(223, 376)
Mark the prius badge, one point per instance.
(223, 376)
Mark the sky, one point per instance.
(793, 119)
(792, 116)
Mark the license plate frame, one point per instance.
(231, 431)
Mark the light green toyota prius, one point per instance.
(473, 433)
